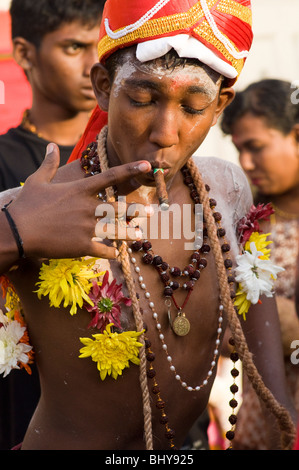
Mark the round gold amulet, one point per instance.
(181, 325)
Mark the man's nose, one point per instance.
(165, 128)
(246, 160)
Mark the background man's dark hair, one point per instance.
(33, 19)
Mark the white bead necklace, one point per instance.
(147, 295)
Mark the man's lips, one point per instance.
(162, 165)
(165, 170)
(88, 93)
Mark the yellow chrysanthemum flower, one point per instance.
(241, 302)
(12, 302)
(67, 281)
(112, 351)
(261, 243)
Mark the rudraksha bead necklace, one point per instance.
(91, 165)
(196, 265)
(170, 277)
(160, 403)
(89, 160)
(190, 273)
(230, 435)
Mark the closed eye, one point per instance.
(190, 110)
(141, 104)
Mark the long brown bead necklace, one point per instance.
(169, 277)
(90, 163)
(190, 273)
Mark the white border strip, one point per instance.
(236, 54)
(132, 27)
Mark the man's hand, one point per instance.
(57, 219)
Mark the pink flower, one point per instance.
(249, 223)
(106, 299)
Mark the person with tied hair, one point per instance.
(127, 343)
(263, 121)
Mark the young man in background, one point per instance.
(55, 43)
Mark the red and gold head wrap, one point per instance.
(224, 27)
(216, 32)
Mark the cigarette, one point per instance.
(161, 188)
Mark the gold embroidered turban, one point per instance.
(217, 32)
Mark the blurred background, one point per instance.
(16, 90)
(275, 54)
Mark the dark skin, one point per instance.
(77, 410)
(59, 75)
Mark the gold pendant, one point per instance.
(181, 325)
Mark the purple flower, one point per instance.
(106, 299)
(249, 223)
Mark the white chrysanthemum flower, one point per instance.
(256, 275)
(12, 352)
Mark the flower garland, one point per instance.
(79, 283)
(112, 351)
(73, 283)
(67, 281)
(15, 349)
(15, 352)
(255, 273)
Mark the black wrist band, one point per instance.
(14, 230)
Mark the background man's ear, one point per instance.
(226, 96)
(101, 85)
(24, 53)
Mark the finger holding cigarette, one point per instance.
(161, 188)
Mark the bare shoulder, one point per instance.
(228, 181)
(229, 187)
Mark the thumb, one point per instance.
(50, 164)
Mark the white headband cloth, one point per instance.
(185, 46)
